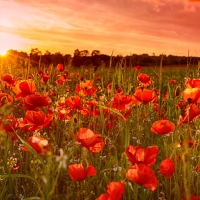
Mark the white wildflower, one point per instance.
(61, 159)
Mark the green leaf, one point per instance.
(16, 176)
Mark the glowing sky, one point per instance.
(125, 26)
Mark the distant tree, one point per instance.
(76, 61)
(118, 60)
(57, 59)
(88, 62)
(134, 60)
(95, 53)
(76, 52)
(104, 59)
(84, 53)
(67, 59)
(35, 57)
(47, 52)
(35, 51)
(47, 58)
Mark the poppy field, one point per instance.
(117, 133)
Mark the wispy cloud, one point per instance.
(127, 26)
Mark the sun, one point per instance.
(3, 51)
(9, 41)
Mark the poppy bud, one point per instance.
(189, 100)
(75, 120)
(177, 91)
(4, 100)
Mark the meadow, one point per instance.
(117, 133)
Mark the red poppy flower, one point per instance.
(167, 168)
(191, 95)
(8, 78)
(189, 143)
(93, 112)
(192, 197)
(74, 103)
(79, 173)
(88, 139)
(15, 167)
(35, 120)
(138, 67)
(60, 67)
(142, 175)
(10, 124)
(5, 98)
(197, 168)
(30, 76)
(181, 104)
(116, 89)
(194, 83)
(137, 155)
(115, 191)
(41, 73)
(135, 101)
(84, 112)
(45, 78)
(109, 125)
(62, 79)
(24, 88)
(121, 102)
(108, 114)
(86, 88)
(144, 80)
(144, 96)
(39, 144)
(163, 127)
(36, 100)
(172, 81)
(93, 103)
(165, 96)
(191, 113)
(64, 113)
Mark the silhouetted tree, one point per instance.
(96, 59)
(95, 53)
(76, 61)
(57, 59)
(84, 53)
(35, 57)
(47, 58)
(67, 59)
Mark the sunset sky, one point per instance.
(125, 26)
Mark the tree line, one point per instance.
(95, 58)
